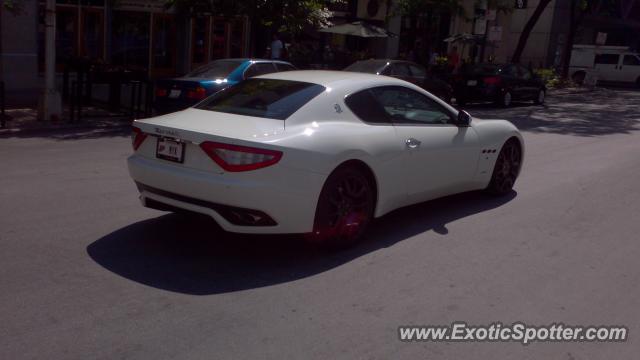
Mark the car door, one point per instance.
(630, 69)
(607, 66)
(528, 83)
(511, 79)
(440, 157)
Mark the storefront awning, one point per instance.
(358, 28)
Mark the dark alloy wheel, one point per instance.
(506, 169)
(578, 77)
(345, 209)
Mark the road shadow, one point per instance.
(601, 112)
(190, 254)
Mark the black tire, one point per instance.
(506, 169)
(345, 209)
(506, 99)
(539, 100)
(578, 77)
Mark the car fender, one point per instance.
(493, 134)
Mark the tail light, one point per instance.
(137, 138)
(161, 92)
(492, 80)
(236, 158)
(198, 93)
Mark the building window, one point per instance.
(200, 41)
(130, 40)
(164, 41)
(66, 34)
(92, 33)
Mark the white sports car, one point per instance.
(317, 152)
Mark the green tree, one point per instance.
(290, 16)
(577, 11)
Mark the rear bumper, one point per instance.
(273, 200)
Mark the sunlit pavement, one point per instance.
(87, 273)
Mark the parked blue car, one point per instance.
(180, 93)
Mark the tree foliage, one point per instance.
(279, 15)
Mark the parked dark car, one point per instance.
(405, 70)
(499, 83)
(180, 93)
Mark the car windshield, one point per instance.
(267, 98)
(481, 69)
(367, 66)
(218, 69)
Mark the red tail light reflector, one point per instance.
(492, 80)
(236, 158)
(137, 138)
(197, 93)
(161, 92)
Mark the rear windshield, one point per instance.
(219, 69)
(267, 98)
(481, 69)
(368, 66)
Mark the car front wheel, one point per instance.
(539, 100)
(345, 209)
(507, 168)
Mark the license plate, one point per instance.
(174, 93)
(169, 149)
(472, 82)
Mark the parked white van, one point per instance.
(610, 63)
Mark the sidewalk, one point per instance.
(24, 121)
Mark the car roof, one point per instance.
(255, 60)
(329, 78)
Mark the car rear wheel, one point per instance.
(578, 77)
(540, 99)
(345, 209)
(505, 99)
(507, 168)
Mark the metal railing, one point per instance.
(79, 96)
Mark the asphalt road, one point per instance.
(87, 273)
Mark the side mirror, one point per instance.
(464, 119)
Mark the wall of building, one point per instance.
(19, 58)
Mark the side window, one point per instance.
(510, 71)
(284, 67)
(400, 69)
(417, 71)
(631, 60)
(607, 59)
(406, 106)
(365, 106)
(525, 74)
(259, 69)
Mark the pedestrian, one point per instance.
(453, 59)
(276, 47)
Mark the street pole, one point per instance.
(50, 103)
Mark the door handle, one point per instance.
(412, 143)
